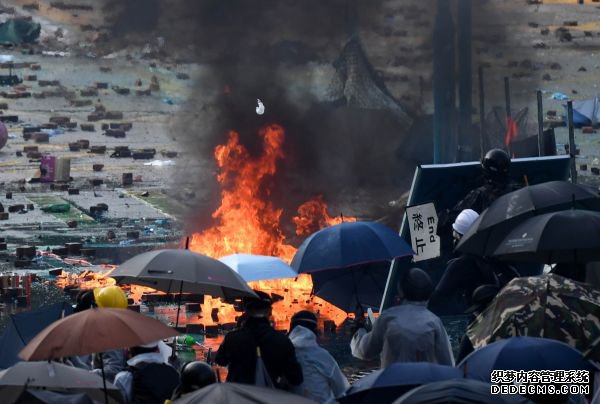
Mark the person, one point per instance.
(194, 376)
(239, 350)
(148, 379)
(113, 361)
(482, 297)
(323, 379)
(466, 272)
(496, 176)
(408, 332)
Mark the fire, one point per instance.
(313, 216)
(247, 222)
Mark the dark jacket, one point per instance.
(238, 352)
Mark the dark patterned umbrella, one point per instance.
(548, 306)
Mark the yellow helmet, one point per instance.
(110, 297)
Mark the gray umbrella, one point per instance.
(53, 376)
(182, 271)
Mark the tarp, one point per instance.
(17, 31)
(22, 327)
(586, 112)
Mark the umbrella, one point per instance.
(496, 221)
(191, 272)
(548, 306)
(95, 330)
(458, 391)
(385, 385)
(567, 236)
(240, 394)
(349, 244)
(50, 397)
(258, 267)
(348, 262)
(53, 376)
(523, 353)
(22, 327)
(352, 289)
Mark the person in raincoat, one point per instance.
(323, 379)
(408, 332)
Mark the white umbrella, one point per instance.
(258, 267)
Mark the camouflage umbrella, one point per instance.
(547, 306)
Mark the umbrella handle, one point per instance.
(103, 378)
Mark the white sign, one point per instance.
(423, 222)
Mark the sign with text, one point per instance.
(423, 221)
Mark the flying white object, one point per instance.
(260, 109)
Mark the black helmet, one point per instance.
(482, 296)
(263, 301)
(305, 318)
(195, 375)
(416, 285)
(496, 163)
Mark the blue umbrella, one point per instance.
(258, 267)
(523, 353)
(349, 262)
(458, 391)
(349, 244)
(22, 327)
(386, 385)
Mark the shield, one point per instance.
(385, 385)
(56, 377)
(459, 391)
(258, 267)
(523, 353)
(240, 394)
(95, 330)
(184, 271)
(568, 236)
(495, 222)
(22, 327)
(548, 306)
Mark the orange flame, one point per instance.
(313, 216)
(247, 222)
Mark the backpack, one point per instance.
(153, 383)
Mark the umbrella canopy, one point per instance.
(184, 271)
(349, 244)
(53, 376)
(386, 385)
(95, 330)
(458, 391)
(523, 353)
(548, 306)
(224, 393)
(22, 327)
(496, 221)
(567, 236)
(352, 289)
(258, 267)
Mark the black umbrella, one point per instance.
(568, 236)
(496, 221)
